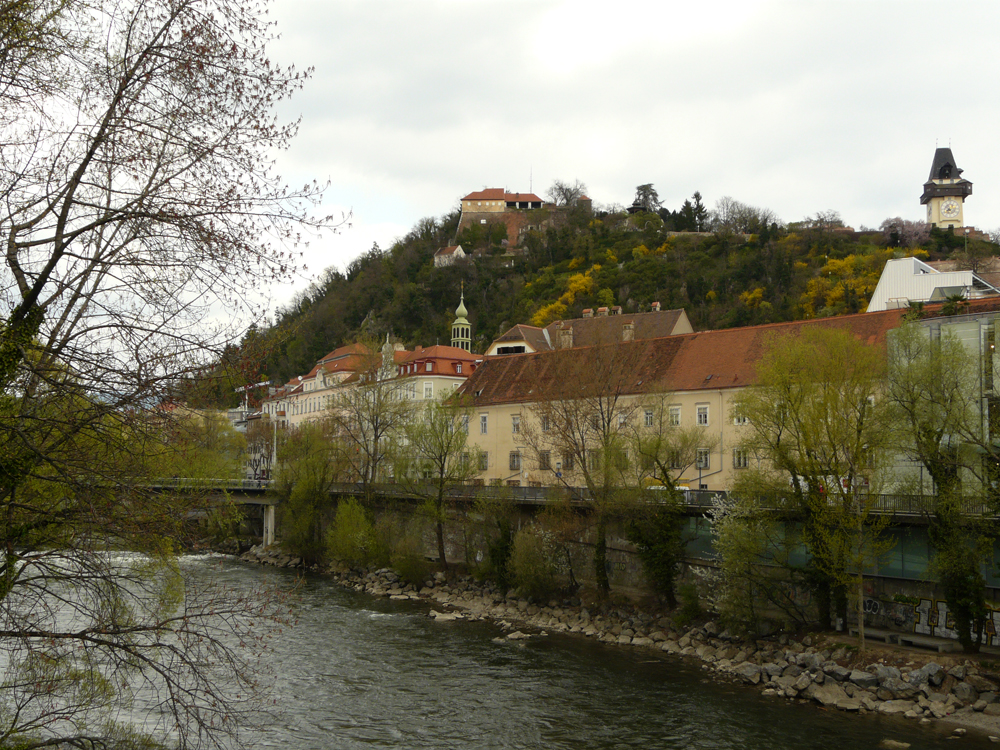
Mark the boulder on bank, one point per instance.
(931, 672)
(890, 708)
(863, 679)
(827, 694)
(966, 693)
(748, 671)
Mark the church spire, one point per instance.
(461, 329)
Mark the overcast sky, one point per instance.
(791, 105)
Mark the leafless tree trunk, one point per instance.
(139, 214)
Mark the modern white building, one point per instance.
(906, 280)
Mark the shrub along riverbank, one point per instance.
(821, 669)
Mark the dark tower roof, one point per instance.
(944, 167)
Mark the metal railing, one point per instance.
(881, 504)
(187, 483)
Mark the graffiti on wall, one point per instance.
(926, 617)
(258, 460)
(890, 615)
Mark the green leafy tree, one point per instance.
(647, 197)
(664, 451)
(199, 445)
(436, 458)
(819, 423)
(934, 385)
(310, 461)
(757, 572)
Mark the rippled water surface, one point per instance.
(359, 672)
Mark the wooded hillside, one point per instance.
(749, 269)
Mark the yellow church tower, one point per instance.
(945, 192)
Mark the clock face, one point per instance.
(949, 209)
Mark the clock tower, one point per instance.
(945, 191)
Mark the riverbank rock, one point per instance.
(890, 708)
(965, 693)
(931, 673)
(863, 679)
(749, 672)
(827, 694)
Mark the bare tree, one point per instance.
(139, 203)
(900, 232)
(566, 194)
(823, 220)
(731, 215)
(583, 425)
(369, 414)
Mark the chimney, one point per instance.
(655, 307)
(588, 313)
(616, 310)
(602, 312)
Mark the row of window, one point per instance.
(319, 403)
(414, 367)
(703, 460)
(649, 419)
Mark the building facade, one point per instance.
(639, 388)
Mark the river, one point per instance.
(360, 672)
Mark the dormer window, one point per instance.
(458, 368)
(430, 367)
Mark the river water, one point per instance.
(360, 672)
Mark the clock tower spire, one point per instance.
(945, 191)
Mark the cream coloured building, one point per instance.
(498, 200)
(684, 382)
(422, 374)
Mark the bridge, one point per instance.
(909, 508)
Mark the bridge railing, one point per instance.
(188, 483)
(881, 504)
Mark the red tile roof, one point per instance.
(607, 329)
(533, 336)
(688, 362)
(604, 329)
(439, 352)
(489, 194)
(499, 194)
(522, 197)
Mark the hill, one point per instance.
(749, 269)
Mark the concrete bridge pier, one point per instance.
(268, 525)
